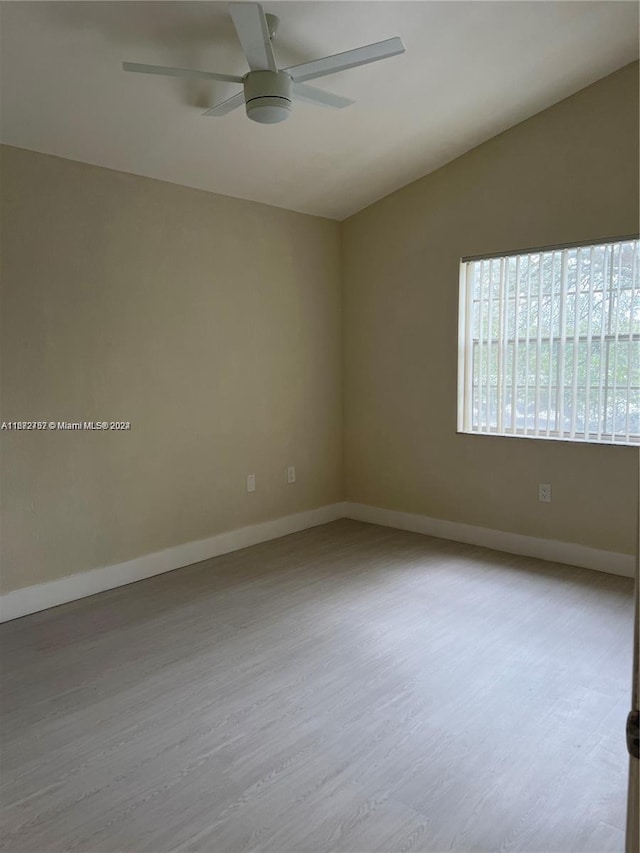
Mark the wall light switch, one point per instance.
(251, 483)
(291, 474)
(544, 493)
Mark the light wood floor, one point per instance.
(348, 688)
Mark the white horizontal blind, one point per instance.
(550, 344)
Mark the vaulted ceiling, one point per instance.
(470, 71)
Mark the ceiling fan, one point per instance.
(268, 90)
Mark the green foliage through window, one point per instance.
(550, 344)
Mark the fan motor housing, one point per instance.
(267, 96)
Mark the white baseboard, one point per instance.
(31, 599)
(20, 602)
(513, 543)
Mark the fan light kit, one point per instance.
(267, 90)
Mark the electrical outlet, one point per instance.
(291, 474)
(251, 483)
(544, 493)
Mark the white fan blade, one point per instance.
(302, 92)
(179, 72)
(253, 32)
(225, 107)
(348, 59)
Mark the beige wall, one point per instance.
(569, 173)
(212, 324)
(219, 328)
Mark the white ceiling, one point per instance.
(471, 70)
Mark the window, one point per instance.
(549, 344)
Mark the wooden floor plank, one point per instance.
(347, 688)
